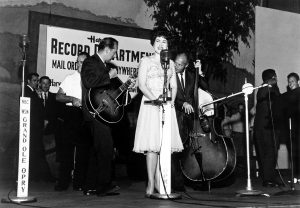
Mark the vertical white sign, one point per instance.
(24, 139)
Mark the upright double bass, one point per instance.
(208, 156)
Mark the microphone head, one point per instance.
(23, 43)
(164, 56)
(271, 81)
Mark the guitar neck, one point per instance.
(125, 85)
(121, 89)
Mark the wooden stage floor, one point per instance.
(132, 195)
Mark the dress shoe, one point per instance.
(295, 180)
(110, 190)
(77, 188)
(269, 184)
(89, 192)
(279, 183)
(148, 196)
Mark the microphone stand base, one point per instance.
(19, 200)
(165, 196)
(242, 193)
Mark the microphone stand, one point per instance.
(164, 159)
(292, 191)
(247, 89)
(23, 67)
(24, 141)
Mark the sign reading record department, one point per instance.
(73, 49)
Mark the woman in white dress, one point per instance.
(151, 82)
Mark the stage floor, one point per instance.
(132, 195)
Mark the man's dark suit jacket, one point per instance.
(185, 121)
(50, 113)
(93, 74)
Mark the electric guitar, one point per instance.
(108, 105)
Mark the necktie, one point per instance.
(44, 98)
(181, 80)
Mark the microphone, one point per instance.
(165, 59)
(270, 82)
(23, 42)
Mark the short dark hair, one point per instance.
(159, 32)
(268, 74)
(84, 54)
(30, 75)
(107, 42)
(45, 77)
(182, 52)
(293, 74)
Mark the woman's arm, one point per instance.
(142, 80)
(173, 84)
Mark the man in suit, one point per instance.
(184, 106)
(94, 73)
(50, 109)
(265, 130)
(49, 103)
(73, 139)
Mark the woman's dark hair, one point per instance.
(107, 42)
(293, 74)
(159, 32)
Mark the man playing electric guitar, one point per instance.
(95, 74)
(107, 104)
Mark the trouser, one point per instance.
(101, 156)
(38, 166)
(293, 149)
(73, 147)
(177, 178)
(267, 149)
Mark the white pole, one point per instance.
(24, 139)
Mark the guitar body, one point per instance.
(107, 105)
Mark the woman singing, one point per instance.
(151, 83)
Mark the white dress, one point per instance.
(147, 134)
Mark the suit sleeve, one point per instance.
(94, 74)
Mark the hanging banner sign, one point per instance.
(64, 45)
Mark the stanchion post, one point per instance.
(247, 89)
(24, 139)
